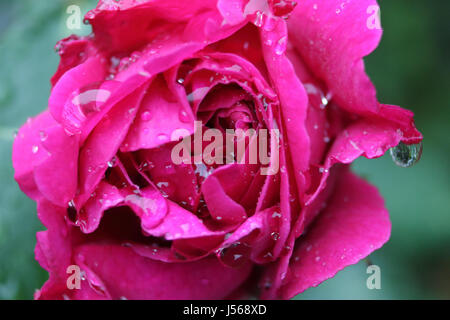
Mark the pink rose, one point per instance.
(99, 161)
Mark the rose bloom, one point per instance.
(98, 161)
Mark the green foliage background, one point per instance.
(411, 68)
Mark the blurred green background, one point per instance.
(411, 68)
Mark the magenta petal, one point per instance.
(353, 225)
(85, 107)
(149, 205)
(128, 275)
(231, 10)
(52, 244)
(92, 287)
(368, 137)
(333, 37)
(177, 181)
(404, 120)
(262, 224)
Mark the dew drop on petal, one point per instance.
(146, 116)
(163, 137)
(275, 236)
(405, 155)
(43, 135)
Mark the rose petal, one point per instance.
(220, 205)
(354, 224)
(180, 224)
(74, 51)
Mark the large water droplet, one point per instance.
(406, 155)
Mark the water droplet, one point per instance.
(184, 116)
(35, 149)
(406, 155)
(146, 116)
